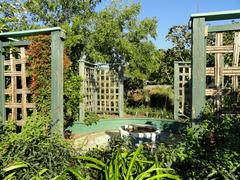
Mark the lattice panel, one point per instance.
(222, 75)
(89, 85)
(184, 86)
(108, 92)
(225, 75)
(101, 89)
(221, 72)
(17, 95)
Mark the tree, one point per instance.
(119, 37)
(180, 36)
(13, 16)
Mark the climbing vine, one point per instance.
(39, 69)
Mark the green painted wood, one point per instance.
(214, 16)
(121, 91)
(222, 28)
(116, 123)
(176, 90)
(2, 86)
(57, 49)
(31, 32)
(16, 43)
(82, 75)
(198, 66)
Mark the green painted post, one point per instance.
(121, 92)
(2, 86)
(57, 49)
(176, 90)
(198, 66)
(82, 74)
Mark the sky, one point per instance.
(177, 12)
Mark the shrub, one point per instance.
(211, 150)
(36, 146)
(161, 97)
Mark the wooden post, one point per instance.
(236, 53)
(2, 87)
(57, 49)
(121, 91)
(176, 90)
(82, 74)
(95, 88)
(198, 66)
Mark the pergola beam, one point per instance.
(29, 32)
(215, 16)
(223, 28)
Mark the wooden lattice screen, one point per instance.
(107, 89)
(89, 87)
(15, 98)
(182, 89)
(101, 87)
(222, 74)
(17, 95)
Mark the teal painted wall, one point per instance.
(108, 124)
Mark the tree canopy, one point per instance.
(113, 35)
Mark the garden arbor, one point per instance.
(214, 70)
(14, 84)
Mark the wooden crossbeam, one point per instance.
(16, 43)
(18, 91)
(220, 49)
(223, 28)
(13, 73)
(8, 62)
(227, 71)
(19, 105)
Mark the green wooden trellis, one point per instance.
(199, 72)
(57, 47)
(102, 87)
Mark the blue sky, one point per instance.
(177, 12)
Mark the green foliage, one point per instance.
(36, 146)
(211, 150)
(11, 171)
(72, 96)
(180, 37)
(151, 102)
(13, 16)
(91, 118)
(39, 66)
(149, 112)
(124, 164)
(119, 37)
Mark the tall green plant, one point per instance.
(128, 165)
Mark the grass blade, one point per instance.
(16, 166)
(136, 153)
(94, 160)
(75, 173)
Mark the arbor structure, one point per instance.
(214, 70)
(14, 84)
